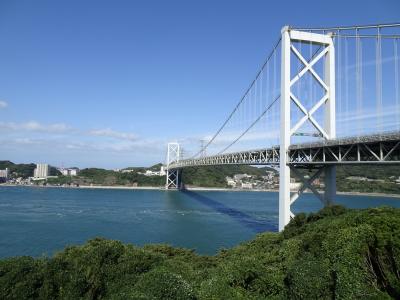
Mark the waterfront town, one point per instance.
(43, 174)
(40, 174)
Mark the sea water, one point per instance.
(40, 221)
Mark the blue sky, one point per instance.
(109, 83)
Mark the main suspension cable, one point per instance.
(251, 125)
(241, 100)
(352, 27)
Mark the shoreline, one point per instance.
(205, 189)
(369, 194)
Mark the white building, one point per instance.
(162, 171)
(41, 171)
(64, 172)
(4, 173)
(150, 173)
(230, 181)
(247, 185)
(154, 173)
(73, 172)
(238, 177)
(69, 172)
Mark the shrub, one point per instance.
(160, 283)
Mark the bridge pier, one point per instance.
(330, 184)
(287, 196)
(174, 179)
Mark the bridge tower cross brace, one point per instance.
(327, 130)
(173, 175)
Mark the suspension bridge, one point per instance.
(323, 97)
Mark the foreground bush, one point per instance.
(335, 253)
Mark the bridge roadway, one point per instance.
(369, 149)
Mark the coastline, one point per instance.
(369, 194)
(191, 188)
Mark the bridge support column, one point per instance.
(307, 183)
(327, 130)
(173, 179)
(284, 170)
(284, 197)
(173, 176)
(330, 184)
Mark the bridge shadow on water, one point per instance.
(250, 222)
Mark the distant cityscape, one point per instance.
(44, 174)
(41, 174)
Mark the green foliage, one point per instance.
(381, 179)
(214, 176)
(160, 283)
(156, 167)
(21, 278)
(335, 253)
(60, 180)
(53, 171)
(98, 176)
(20, 170)
(24, 170)
(346, 185)
(372, 172)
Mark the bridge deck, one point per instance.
(369, 149)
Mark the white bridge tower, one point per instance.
(287, 166)
(326, 130)
(173, 175)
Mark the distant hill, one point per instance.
(381, 178)
(156, 167)
(24, 170)
(99, 176)
(214, 176)
(387, 174)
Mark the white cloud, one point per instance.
(62, 142)
(3, 104)
(34, 127)
(108, 132)
(56, 128)
(368, 114)
(26, 141)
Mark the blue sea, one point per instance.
(40, 221)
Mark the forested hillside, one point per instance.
(214, 176)
(364, 178)
(24, 170)
(196, 176)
